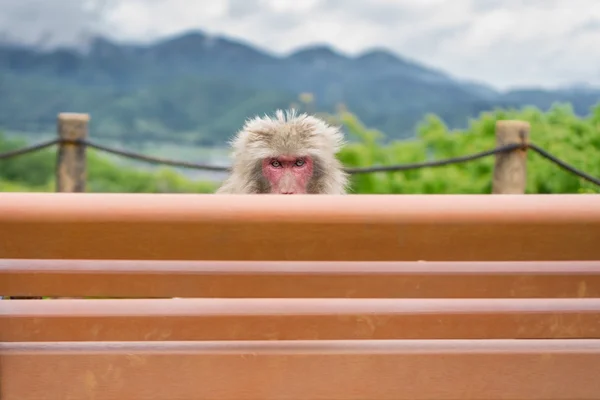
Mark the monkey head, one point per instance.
(286, 154)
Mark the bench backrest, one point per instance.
(301, 228)
(317, 297)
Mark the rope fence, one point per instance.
(29, 149)
(503, 132)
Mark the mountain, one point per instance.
(199, 89)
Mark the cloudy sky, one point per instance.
(502, 42)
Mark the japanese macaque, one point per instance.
(286, 154)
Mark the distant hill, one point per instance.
(200, 89)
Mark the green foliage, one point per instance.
(106, 177)
(35, 172)
(571, 138)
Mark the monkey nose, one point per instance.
(287, 192)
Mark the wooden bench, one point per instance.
(306, 297)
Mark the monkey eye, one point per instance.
(299, 162)
(275, 163)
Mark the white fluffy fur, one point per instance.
(286, 133)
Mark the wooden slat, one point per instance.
(374, 370)
(297, 319)
(98, 278)
(300, 228)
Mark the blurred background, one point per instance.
(408, 80)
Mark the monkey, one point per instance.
(286, 154)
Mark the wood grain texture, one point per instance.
(375, 370)
(297, 319)
(510, 169)
(241, 279)
(299, 228)
(71, 163)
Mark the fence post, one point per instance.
(71, 159)
(510, 169)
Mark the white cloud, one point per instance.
(45, 22)
(502, 42)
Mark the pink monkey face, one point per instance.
(288, 174)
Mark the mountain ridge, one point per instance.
(200, 88)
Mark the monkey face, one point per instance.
(286, 154)
(288, 174)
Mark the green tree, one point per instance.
(573, 139)
(560, 131)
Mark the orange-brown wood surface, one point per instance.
(239, 279)
(300, 228)
(297, 319)
(374, 370)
